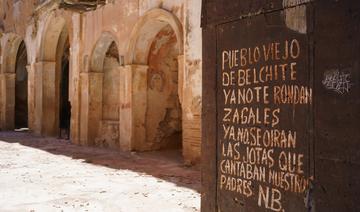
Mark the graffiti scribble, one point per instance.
(337, 81)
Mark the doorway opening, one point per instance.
(21, 89)
(65, 105)
(163, 115)
(157, 45)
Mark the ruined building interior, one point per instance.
(116, 74)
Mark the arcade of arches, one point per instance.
(120, 77)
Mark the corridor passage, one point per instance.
(47, 174)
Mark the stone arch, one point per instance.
(99, 52)
(55, 44)
(54, 27)
(13, 77)
(104, 97)
(12, 45)
(146, 29)
(155, 57)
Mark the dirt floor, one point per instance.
(46, 174)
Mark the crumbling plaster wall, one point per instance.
(192, 80)
(102, 25)
(15, 15)
(117, 18)
(163, 109)
(7, 80)
(29, 22)
(13, 26)
(43, 37)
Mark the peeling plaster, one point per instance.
(295, 16)
(295, 19)
(119, 18)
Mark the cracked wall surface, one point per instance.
(163, 115)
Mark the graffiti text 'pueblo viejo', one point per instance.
(257, 83)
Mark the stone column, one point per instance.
(191, 110)
(84, 107)
(133, 103)
(95, 81)
(45, 122)
(91, 106)
(50, 125)
(31, 96)
(125, 113)
(38, 102)
(139, 106)
(8, 101)
(181, 76)
(192, 91)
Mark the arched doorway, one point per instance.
(163, 114)
(21, 88)
(105, 98)
(157, 44)
(53, 99)
(14, 80)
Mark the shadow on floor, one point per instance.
(166, 165)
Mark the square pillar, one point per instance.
(125, 111)
(46, 109)
(133, 103)
(50, 125)
(181, 77)
(191, 138)
(191, 116)
(8, 101)
(91, 106)
(84, 108)
(191, 108)
(31, 96)
(95, 81)
(36, 81)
